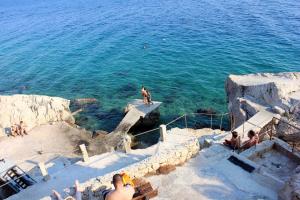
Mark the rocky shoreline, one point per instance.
(39, 110)
(276, 92)
(52, 127)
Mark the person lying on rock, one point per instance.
(121, 192)
(234, 142)
(78, 195)
(253, 140)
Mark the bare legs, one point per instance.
(77, 193)
(57, 195)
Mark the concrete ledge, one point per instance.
(176, 155)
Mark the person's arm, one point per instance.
(257, 139)
(57, 195)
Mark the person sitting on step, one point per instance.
(21, 129)
(14, 130)
(253, 140)
(234, 142)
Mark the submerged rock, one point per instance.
(34, 110)
(85, 101)
(209, 111)
(127, 90)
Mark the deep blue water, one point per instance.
(182, 50)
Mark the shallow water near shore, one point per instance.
(181, 50)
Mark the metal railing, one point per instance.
(190, 121)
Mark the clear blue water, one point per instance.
(182, 50)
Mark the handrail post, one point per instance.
(185, 121)
(163, 132)
(44, 171)
(84, 153)
(211, 121)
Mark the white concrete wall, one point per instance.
(176, 155)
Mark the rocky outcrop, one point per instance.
(34, 110)
(279, 93)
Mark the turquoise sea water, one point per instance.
(182, 50)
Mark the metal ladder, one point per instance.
(19, 178)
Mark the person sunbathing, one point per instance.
(21, 129)
(253, 140)
(14, 130)
(234, 142)
(121, 191)
(78, 195)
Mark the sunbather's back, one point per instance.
(125, 193)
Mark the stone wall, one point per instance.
(176, 155)
(34, 110)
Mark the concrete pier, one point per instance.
(136, 110)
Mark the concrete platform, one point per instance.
(137, 109)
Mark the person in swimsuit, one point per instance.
(253, 140)
(21, 129)
(233, 143)
(14, 130)
(149, 100)
(121, 191)
(144, 94)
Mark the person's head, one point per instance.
(251, 134)
(234, 134)
(117, 181)
(21, 122)
(143, 87)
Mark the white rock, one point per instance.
(34, 110)
(248, 94)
